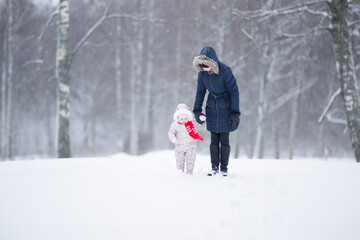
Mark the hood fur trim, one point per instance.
(202, 59)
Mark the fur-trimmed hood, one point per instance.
(208, 57)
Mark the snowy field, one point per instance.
(124, 197)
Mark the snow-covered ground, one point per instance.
(125, 197)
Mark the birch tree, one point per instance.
(149, 68)
(262, 105)
(3, 99)
(64, 62)
(120, 136)
(62, 78)
(137, 55)
(346, 70)
(6, 85)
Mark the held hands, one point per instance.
(235, 119)
(200, 117)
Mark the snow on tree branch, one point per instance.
(136, 18)
(104, 17)
(332, 99)
(331, 119)
(280, 37)
(48, 23)
(262, 15)
(90, 32)
(351, 24)
(286, 97)
(36, 61)
(315, 30)
(250, 37)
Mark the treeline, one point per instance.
(114, 80)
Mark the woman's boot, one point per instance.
(224, 160)
(214, 154)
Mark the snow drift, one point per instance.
(125, 197)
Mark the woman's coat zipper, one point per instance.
(216, 103)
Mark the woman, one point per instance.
(222, 106)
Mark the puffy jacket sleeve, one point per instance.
(232, 87)
(172, 133)
(200, 93)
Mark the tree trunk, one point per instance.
(293, 122)
(346, 71)
(50, 132)
(3, 99)
(62, 77)
(8, 101)
(276, 140)
(135, 87)
(262, 107)
(178, 62)
(149, 71)
(120, 134)
(221, 42)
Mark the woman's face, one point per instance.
(208, 69)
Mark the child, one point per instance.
(183, 134)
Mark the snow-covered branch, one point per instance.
(21, 17)
(250, 37)
(104, 17)
(332, 99)
(48, 23)
(135, 18)
(90, 32)
(286, 97)
(248, 54)
(36, 61)
(351, 24)
(262, 15)
(315, 30)
(280, 37)
(331, 119)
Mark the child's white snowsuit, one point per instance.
(185, 146)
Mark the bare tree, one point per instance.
(62, 77)
(65, 59)
(342, 46)
(118, 81)
(346, 70)
(149, 68)
(123, 97)
(7, 84)
(3, 100)
(262, 105)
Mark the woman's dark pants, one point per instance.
(219, 151)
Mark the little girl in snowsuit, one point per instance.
(183, 134)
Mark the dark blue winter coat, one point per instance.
(223, 98)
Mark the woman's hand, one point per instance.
(198, 114)
(202, 118)
(234, 119)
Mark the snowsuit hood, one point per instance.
(183, 109)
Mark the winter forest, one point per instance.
(91, 78)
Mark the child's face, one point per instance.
(183, 120)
